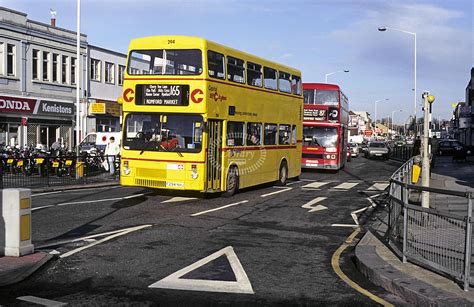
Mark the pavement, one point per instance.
(416, 285)
(16, 269)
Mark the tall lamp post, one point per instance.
(78, 79)
(375, 114)
(383, 29)
(392, 117)
(332, 73)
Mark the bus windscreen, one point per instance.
(165, 62)
(320, 136)
(321, 97)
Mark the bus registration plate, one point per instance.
(163, 95)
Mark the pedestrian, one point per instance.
(111, 151)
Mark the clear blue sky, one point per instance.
(315, 36)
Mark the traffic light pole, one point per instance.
(425, 170)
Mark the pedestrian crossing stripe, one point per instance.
(315, 185)
(180, 281)
(378, 186)
(346, 185)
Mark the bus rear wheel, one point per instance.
(232, 182)
(283, 174)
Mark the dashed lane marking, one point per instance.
(346, 185)
(280, 191)
(40, 301)
(90, 201)
(177, 199)
(315, 185)
(335, 265)
(207, 281)
(220, 208)
(309, 205)
(74, 251)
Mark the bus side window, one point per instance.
(270, 134)
(270, 78)
(284, 82)
(235, 134)
(293, 135)
(284, 134)
(215, 64)
(254, 134)
(296, 85)
(254, 74)
(235, 70)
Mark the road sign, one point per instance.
(368, 132)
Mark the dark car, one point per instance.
(451, 148)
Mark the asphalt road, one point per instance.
(113, 243)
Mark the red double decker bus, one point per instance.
(326, 116)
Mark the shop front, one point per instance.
(31, 121)
(105, 116)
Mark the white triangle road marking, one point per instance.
(241, 285)
(177, 199)
(309, 205)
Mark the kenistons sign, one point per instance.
(35, 106)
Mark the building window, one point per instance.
(2, 60)
(36, 64)
(11, 60)
(64, 65)
(45, 66)
(55, 67)
(73, 70)
(121, 70)
(95, 70)
(109, 73)
(270, 78)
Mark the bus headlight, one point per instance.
(194, 175)
(333, 157)
(126, 169)
(328, 157)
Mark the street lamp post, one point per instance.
(332, 73)
(78, 79)
(375, 114)
(383, 29)
(392, 118)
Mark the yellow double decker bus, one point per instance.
(204, 117)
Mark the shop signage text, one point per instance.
(17, 105)
(35, 106)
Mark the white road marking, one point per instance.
(309, 205)
(46, 193)
(293, 182)
(75, 191)
(74, 251)
(354, 214)
(88, 237)
(241, 285)
(344, 225)
(346, 185)
(90, 201)
(379, 186)
(309, 180)
(177, 199)
(220, 208)
(40, 301)
(315, 185)
(280, 191)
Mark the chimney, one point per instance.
(53, 17)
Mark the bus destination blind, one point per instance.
(163, 95)
(315, 114)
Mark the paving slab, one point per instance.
(16, 269)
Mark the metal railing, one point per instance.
(401, 153)
(55, 171)
(440, 241)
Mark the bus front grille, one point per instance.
(150, 183)
(312, 156)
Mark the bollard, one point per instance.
(16, 214)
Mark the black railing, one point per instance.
(401, 153)
(56, 171)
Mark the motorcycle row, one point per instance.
(31, 160)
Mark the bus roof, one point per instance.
(320, 86)
(193, 42)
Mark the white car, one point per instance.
(354, 149)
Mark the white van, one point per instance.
(98, 140)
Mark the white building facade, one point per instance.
(39, 73)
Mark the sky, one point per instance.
(315, 36)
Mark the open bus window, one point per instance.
(163, 132)
(270, 78)
(284, 134)
(254, 134)
(270, 134)
(165, 62)
(320, 136)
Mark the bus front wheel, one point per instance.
(283, 174)
(232, 182)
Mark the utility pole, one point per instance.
(425, 168)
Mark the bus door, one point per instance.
(214, 155)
